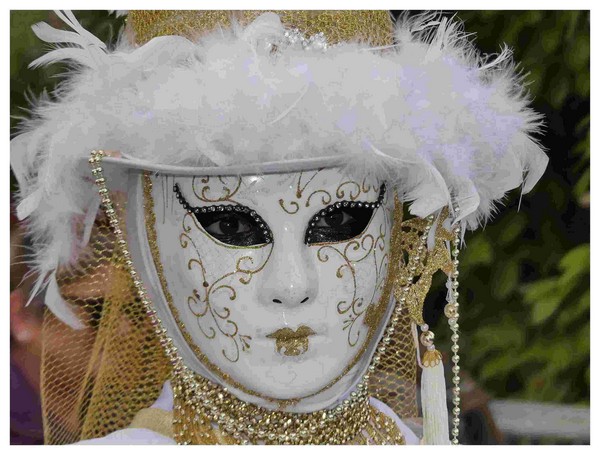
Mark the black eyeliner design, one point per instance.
(346, 232)
(223, 209)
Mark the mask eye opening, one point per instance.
(340, 206)
(261, 232)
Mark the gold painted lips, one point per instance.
(292, 343)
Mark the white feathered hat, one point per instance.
(444, 126)
(439, 121)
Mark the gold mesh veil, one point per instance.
(96, 379)
(395, 380)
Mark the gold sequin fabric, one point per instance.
(394, 379)
(394, 382)
(429, 262)
(380, 429)
(373, 27)
(205, 413)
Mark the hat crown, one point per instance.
(373, 27)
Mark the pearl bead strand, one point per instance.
(452, 313)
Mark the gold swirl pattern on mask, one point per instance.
(365, 187)
(356, 189)
(367, 245)
(324, 194)
(341, 193)
(430, 261)
(228, 190)
(150, 222)
(300, 187)
(201, 306)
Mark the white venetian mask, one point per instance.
(272, 285)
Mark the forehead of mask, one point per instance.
(277, 316)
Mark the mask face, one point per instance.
(275, 282)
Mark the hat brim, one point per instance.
(274, 167)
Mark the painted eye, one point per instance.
(338, 224)
(235, 228)
(342, 221)
(229, 225)
(335, 219)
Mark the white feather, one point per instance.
(90, 52)
(430, 115)
(80, 56)
(28, 205)
(53, 35)
(69, 18)
(59, 307)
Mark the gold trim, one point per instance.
(238, 422)
(209, 288)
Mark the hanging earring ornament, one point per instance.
(432, 356)
(419, 264)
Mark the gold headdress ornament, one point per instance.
(373, 27)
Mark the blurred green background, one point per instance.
(525, 277)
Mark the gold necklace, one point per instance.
(213, 416)
(246, 423)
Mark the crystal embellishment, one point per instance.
(295, 38)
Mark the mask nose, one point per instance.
(290, 279)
